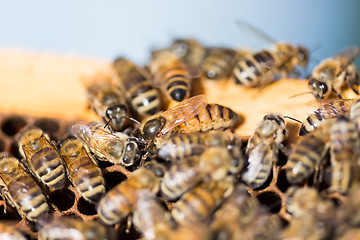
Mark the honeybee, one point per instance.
(117, 147)
(119, 202)
(232, 218)
(262, 149)
(215, 163)
(42, 158)
(82, 170)
(332, 74)
(21, 190)
(355, 112)
(302, 201)
(72, 228)
(10, 232)
(171, 75)
(325, 111)
(109, 103)
(181, 146)
(137, 87)
(191, 115)
(344, 154)
(197, 205)
(218, 63)
(189, 51)
(260, 68)
(308, 153)
(262, 227)
(150, 217)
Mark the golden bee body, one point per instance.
(82, 170)
(21, 190)
(42, 158)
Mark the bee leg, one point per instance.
(352, 77)
(337, 94)
(128, 224)
(143, 158)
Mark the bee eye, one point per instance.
(152, 127)
(303, 54)
(117, 111)
(319, 88)
(132, 153)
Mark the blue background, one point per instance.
(106, 29)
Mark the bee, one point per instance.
(189, 51)
(333, 74)
(308, 153)
(262, 149)
(260, 68)
(42, 158)
(325, 111)
(117, 148)
(181, 146)
(21, 190)
(109, 103)
(10, 232)
(344, 154)
(191, 115)
(355, 112)
(72, 228)
(137, 87)
(150, 217)
(215, 163)
(238, 210)
(82, 169)
(120, 201)
(262, 227)
(218, 63)
(302, 201)
(171, 75)
(197, 205)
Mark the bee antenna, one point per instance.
(299, 94)
(133, 119)
(294, 119)
(108, 122)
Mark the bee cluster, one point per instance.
(165, 164)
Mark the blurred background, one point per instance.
(106, 29)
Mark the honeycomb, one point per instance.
(250, 105)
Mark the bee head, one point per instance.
(132, 153)
(303, 56)
(153, 127)
(116, 113)
(318, 88)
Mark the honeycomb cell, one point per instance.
(14, 150)
(85, 207)
(50, 126)
(11, 213)
(63, 199)
(270, 200)
(113, 178)
(282, 182)
(2, 145)
(12, 125)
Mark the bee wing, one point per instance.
(182, 112)
(252, 30)
(324, 103)
(350, 53)
(96, 140)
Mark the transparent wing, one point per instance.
(183, 112)
(252, 30)
(350, 53)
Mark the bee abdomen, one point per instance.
(342, 177)
(116, 204)
(194, 206)
(304, 158)
(178, 84)
(48, 165)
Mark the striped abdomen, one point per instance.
(218, 63)
(87, 178)
(306, 156)
(177, 83)
(139, 91)
(28, 197)
(342, 176)
(180, 146)
(46, 163)
(250, 69)
(195, 206)
(260, 160)
(211, 117)
(179, 178)
(116, 204)
(355, 112)
(326, 111)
